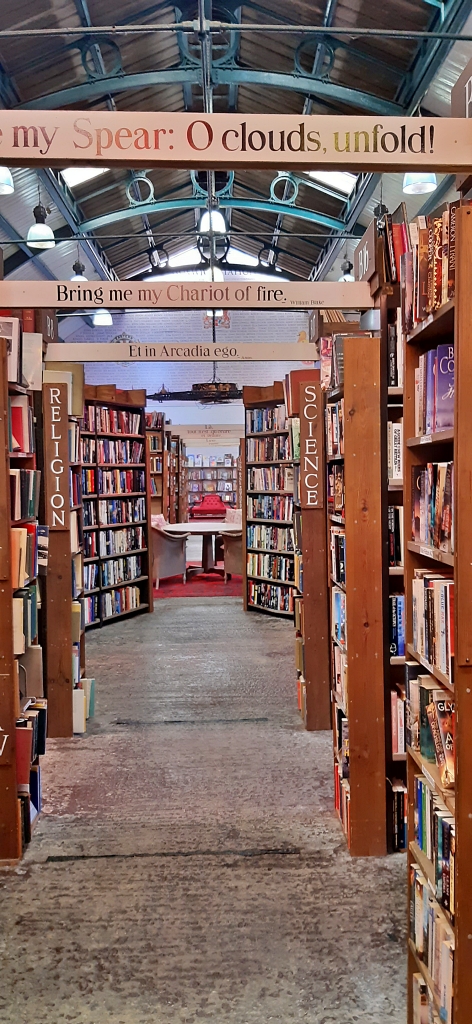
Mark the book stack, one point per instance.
(338, 554)
(395, 535)
(396, 607)
(336, 489)
(432, 495)
(335, 429)
(432, 939)
(428, 266)
(434, 391)
(398, 710)
(271, 566)
(433, 621)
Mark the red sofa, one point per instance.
(210, 507)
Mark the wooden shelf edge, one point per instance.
(426, 551)
(433, 671)
(431, 772)
(423, 440)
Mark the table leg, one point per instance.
(208, 561)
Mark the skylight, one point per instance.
(74, 176)
(242, 258)
(186, 258)
(343, 181)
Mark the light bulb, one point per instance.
(102, 318)
(212, 220)
(40, 235)
(419, 183)
(7, 186)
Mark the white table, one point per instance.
(207, 529)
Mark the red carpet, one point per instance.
(203, 585)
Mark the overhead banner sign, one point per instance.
(162, 294)
(187, 352)
(132, 139)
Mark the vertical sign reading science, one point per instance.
(56, 456)
(311, 446)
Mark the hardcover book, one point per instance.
(444, 381)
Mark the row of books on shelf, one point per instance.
(113, 542)
(155, 463)
(395, 450)
(112, 602)
(20, 425)
(26, 603)
(119, 452)
(270, 506)
(210, 486)
(434, 831)
(432, 936)
(115, 512)
(338, 616)
(269, 449)
(395, 353)
(259, 421)
(298, 571)
(430, 721)
(210, 461)
(77, 567)
(335, 493)
(155, 488)
(120, 570)
(270, 596)
(432, 504)
(270, 565)
(433, 620)
(428, 267)
(83, 703)
(337, 547)
(154, 420)
(270, 478)
(334, 415)
(396, 622)
(24, 545)
(339, 674)
(397, 717)
(434, 391)
(212, 474)
(75, 448)
(154, 443)
(105, 420)
(273, 538)
(120, 481)
(424, 1006)
(88, 450)
(24, 493)
(76, 531)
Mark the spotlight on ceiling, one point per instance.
(212, 222)
(6, 182)
(40, 235)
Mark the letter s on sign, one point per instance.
(84, 132)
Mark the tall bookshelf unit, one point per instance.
(450, 903)
(269, 558)
(155, 454)
(116, 499)
(20, 601)
(356, 470)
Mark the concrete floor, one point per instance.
(188, 866)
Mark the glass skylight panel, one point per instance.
(74, 176)
(343, 181)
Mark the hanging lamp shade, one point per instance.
(78, 269)
(212, 220)
(7, 186)
(102, 318)
(40, 235)
(419, 183)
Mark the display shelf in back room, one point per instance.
(442, 468)
(265, 514)
(212, 474)
(117, 553)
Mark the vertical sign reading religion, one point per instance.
(311, 446)
(56, 456)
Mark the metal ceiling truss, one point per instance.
(208, 59)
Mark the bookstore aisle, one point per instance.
(188, 865)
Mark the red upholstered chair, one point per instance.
(210, 507)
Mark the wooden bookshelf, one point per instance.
(362, 798)
(267, 404)
(214, 479)
(156, 463)
(132, 504)
(450, 324)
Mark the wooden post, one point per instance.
(364, 483)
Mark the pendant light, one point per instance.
(7, 186)
(212, 222)
(419, 183)
(346, 270)
(78, 269)
(40, 235)
(102, 318)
